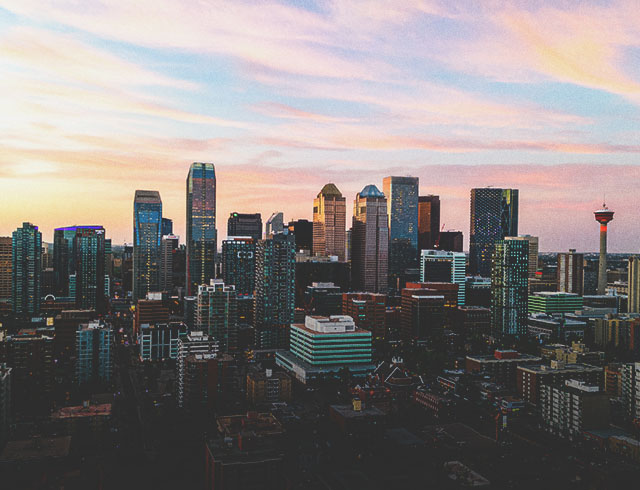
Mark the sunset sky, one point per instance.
(100, 98)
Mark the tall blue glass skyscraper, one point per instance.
(494, 216)
(402, 210)
(202, 236)
(147, 237)
(26, 255)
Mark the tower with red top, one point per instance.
(603, 216)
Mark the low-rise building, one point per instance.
(501, 366)
(268, 387)
(554, 302)
(326, 345)
(440, 406)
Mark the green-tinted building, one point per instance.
(510, 287)
(26, 257)
(554, 302)
(325, 345)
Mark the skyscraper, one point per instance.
(26, 247)
(217, 313)
(168, 251)
(275, 224)
(571, 272)
(444, 266)
(603, 216)
(449, 240)
(89, 261)
(147, 237)
(302, 231)
(494, 215)
(633, 276)
(402, 213)
(274, 290)
(370, 241)
(509, 287)
(239, 264)
(240, 224)
(202, 236)
(167, 226)
(428, 221)
(329, 222)
(5, 268)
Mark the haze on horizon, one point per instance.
(102, 99)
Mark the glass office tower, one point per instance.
(79, 254)
(494, 216)
(202, 236)
(510, 287)
(147, 237)
(26, 255)
(402, 212)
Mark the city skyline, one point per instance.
(542, 98)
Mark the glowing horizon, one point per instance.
(287, 96)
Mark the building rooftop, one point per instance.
(334, 324)
(370, 191)
(35, 449)
(101, 410)
(348, 412)
(330, 190)
(561, 368)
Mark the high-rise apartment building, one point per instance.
(5, 269)
(533, 252)
(329, 222)
(444, 266)
(30, 355)
(428, 221)
(370, 241)
(509, 287)
(194, 343)
(168, 252)
(245, 225)
(274, 301)
(494, 216)
(202, 235)
(239, 264)
(402, 213)
(571, 272)
(302, 231)
(217, 313)
(159, 341)
(275, 224)
(94, 360)
(633, 282)
(147, 237)
(26, 259)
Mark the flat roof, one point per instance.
(100, 410)
(35, 449)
